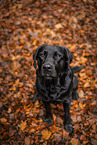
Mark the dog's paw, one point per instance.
(69, 128)
(48, 120)
(75, 96)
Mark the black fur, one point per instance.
(55, 81)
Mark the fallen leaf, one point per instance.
(81, 93)
(57, 137)
(9, 110)
(17, 22)
(59, 120)
(74, 141)
(45, 143)
(79, 119)
(82, 137)
(83, 59)
(74, 118)
(93, 141)
(36, 104)
(76, 126)
(65, 134)
(96, 136)
(94, 127)
(54, 117)
(48, 30)
(53, 128)
(3, 120)
(58, 26)
(23, 125)
(27, 141)
(46, 134)
(81, 105)
(87, 85)
(32, 130)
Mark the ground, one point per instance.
(25, 25)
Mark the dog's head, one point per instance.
(52, 60)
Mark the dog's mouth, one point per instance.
(49, 76)
(48, 72)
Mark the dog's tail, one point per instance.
(77, 69)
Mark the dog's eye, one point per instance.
(57, 55)
(41, 55)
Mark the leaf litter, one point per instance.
(25, 25)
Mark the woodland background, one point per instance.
(25, 25)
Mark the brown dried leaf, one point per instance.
(27, 141)
(58, 26)
(53, 128)
(82, 137)
(94, 127)
(65, 133)
(3, 120)
(54, 117)
(81, 105)
(23, 125)
(32, 130)
(76, 126)
(36, 104)
(87, 85)
(81, 93)
(46, 134)
(83, 59)
(96, 136)
(9, 110)
(73, 117)
(74, 141)
(79, 118)
(59, 120)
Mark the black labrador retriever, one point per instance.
(55, 81)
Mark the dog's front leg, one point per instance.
(48, 115)
(67, 121)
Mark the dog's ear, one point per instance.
(35, 57)
(36, 54)
(68, 55)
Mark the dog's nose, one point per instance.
(47, 67)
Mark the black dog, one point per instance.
(55, 80)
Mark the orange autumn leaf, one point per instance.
(87, 85)
(81, 93)
(53, 128)
(58, 26)
(59, 120)
(81, 105)
(82, 137)
(36, 104)
(54, 117)
(83, 59)
(46, 134)
(74, 141)
(65, 133)
(24, 27)
(32, 130)
(23, 125)
(3, 120)
(27, 141)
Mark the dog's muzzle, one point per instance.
(48, 70)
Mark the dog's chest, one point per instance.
(53, 92)
(49, 92)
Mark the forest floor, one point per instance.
(25, 25)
